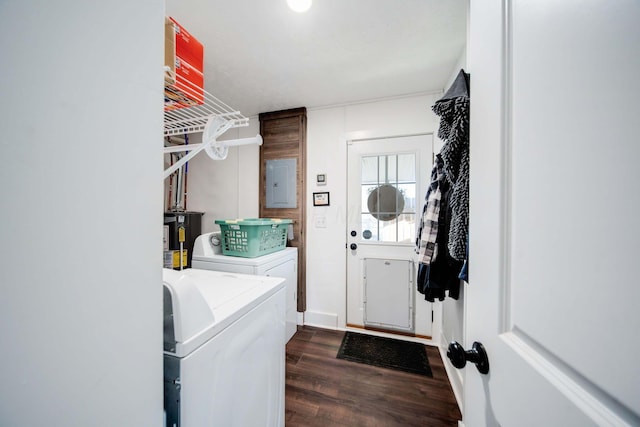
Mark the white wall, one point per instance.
(225, 189)
(453, 310)
(229, 188)
(80, 277)
(327, 132)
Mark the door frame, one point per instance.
(359, 136)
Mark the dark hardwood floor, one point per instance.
(322, 390)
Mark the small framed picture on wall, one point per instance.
(321, 199)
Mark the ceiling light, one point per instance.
(299, 5)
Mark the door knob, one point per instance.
(353, 246)
(459, 357)
(354, 233)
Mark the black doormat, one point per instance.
(385, 352)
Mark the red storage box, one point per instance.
(187, 47)
(187, 89)
(184, 55)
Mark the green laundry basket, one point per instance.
(250, 238)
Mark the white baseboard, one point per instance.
(455, 375)
(320, 319)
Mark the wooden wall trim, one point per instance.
(293, 112)
(284, 136)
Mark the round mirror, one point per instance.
(385, 202)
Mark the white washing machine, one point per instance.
(207, 255)
(224, 349)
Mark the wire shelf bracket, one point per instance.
(212, 117)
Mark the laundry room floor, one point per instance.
(322, 390)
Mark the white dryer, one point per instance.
(224, 349)
(207, 255)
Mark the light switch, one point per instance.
(321, 221)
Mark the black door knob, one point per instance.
(459, 357)
(354, 233)
(353, 246)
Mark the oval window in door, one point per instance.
(385, 202)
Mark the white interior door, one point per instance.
(555, 195)
(387, 180)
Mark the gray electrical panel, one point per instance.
(281, 183)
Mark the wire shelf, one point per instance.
(193, 118)
(183, 115)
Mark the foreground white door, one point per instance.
(555, 210)
(387, 180)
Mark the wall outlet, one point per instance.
(321, 221)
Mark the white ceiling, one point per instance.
(261, 56)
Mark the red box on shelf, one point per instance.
(187, 47)
(187, 90)
(184, 55)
